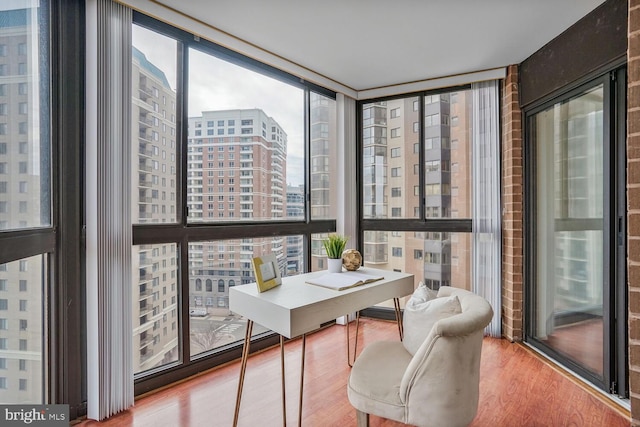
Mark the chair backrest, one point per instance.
(441, 383)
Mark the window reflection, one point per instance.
(155, 306)
(21, 331)
(392, 163)
(25, 155)
(246, 147)
(569, 221)
(217, 266)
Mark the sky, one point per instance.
(215, 84)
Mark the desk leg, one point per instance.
(243, 368)
(304, 341)
(396, 306)
(355, 347)
(284, 398)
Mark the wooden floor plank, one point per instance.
(517, 388)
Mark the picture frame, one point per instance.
(267, 272)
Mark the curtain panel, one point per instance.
(486, 236)
(108, 204)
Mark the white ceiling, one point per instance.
(365, 44)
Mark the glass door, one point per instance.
(571, 297)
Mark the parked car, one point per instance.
(197, 312)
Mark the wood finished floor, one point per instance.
(517, 389)
(582, 342)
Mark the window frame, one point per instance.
(615, 302)
(183, 233)
(421, 223)
(462, 225)
(60, 243)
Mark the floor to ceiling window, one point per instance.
(155, 298)
(232, 161)
(575, 230)
(26, 223)
(416, 189)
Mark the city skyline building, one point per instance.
(236, 171)
(155, 308)
(295, 244)
(391, 184)
(24, 203)
(324, 170)
(237, 163)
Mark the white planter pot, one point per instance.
(334, 265)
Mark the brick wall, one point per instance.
(512, 188)
(633, 205)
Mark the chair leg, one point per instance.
(363, 418)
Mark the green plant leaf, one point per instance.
(334, 245)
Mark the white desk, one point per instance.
(295, 308)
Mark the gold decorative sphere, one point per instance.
(351, 259)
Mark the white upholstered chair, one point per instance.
(437, 386)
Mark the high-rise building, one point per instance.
(460, 104)
(236, 172)
(295, 244)
(324, 170)
(153, 140)
(24, 203)
(391, 184)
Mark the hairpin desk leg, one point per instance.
(284, 399)
(304, 341)
(243, 368)
(396, 306)
(355, 347)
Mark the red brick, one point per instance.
(633, 280)
(633, 96)
(633, 225)
(634, 355)
(634, 46)
(634, 379)
(633, 198)
(633, 171)
(634, 304)
(633, 146)
(512, 201)
(634, 333)
(633, 246)
(510, 97)
(634, 18)
(633, 121)
(633, 70)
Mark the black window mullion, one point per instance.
(182, 131)
(307, 177)
(183, 301)
(307, 158)
(15, 245)
(65, 357)
(182, 145)
(621, 376)
(417, 225)
(183, 233)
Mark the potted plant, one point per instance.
(334, 245)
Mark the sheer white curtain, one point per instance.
(109, 236)
(487, 262)
(347, 221)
